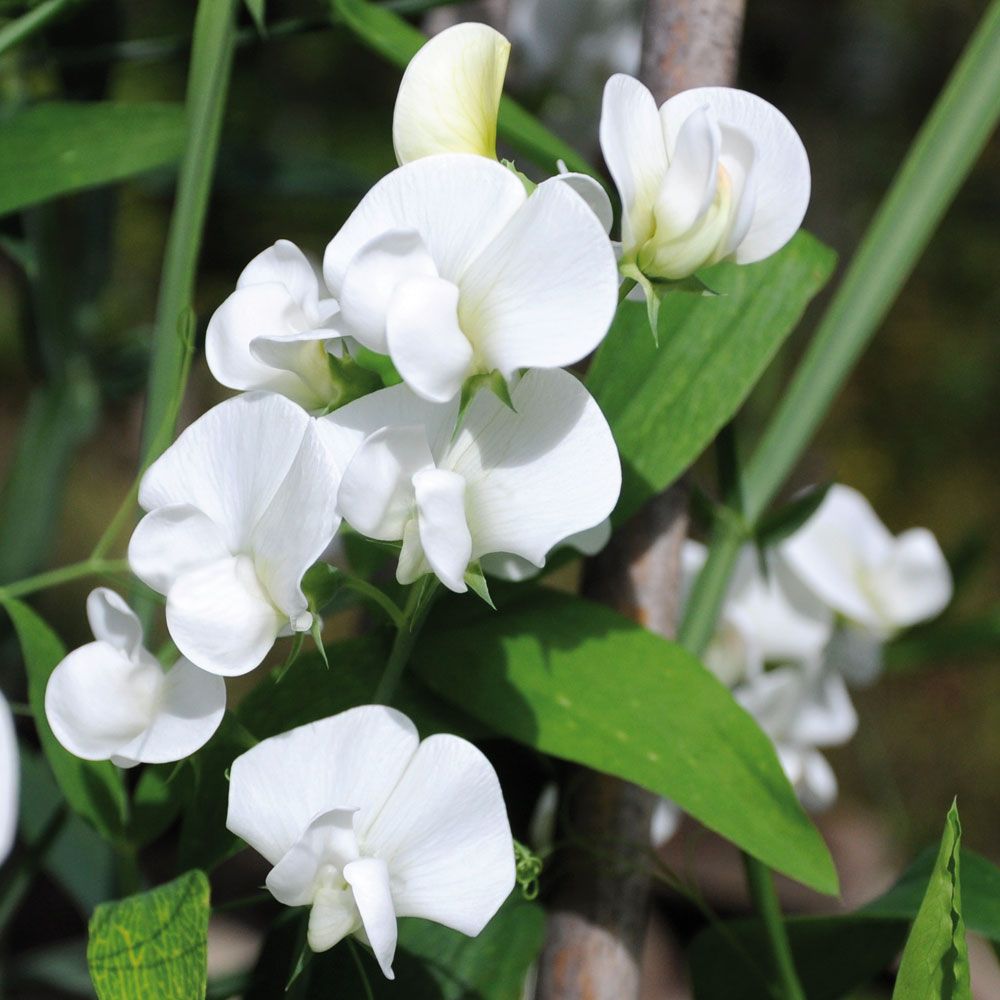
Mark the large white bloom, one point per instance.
(364, 823)
(451, 269)
(449, 100)
(275, 331)
(802, 709)
(111, 699)
(714, 174)
(240, 506)
(852, 562)
(10, 780)
(514, 481)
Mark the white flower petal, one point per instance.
(782, 174)
(229, 463)
(98, 700)
(544, 292)
(450, 94)
(826, 716)
(915, 584)
(349, 761)
(456, 202)
(425, 342)
(328, 840)
(287, 265)
(444, 533)
(371, 278)
(10, 779)
(344, 430)
(171, 541)
(113, 621)
(817, 784)
(376, 493)
(445, 837)
(412, 563)
(369, 881)
(633, 148)
(220, 618)
(189, 709)
(537, 475)
(593, 194)
(692, 177)
(739, 160)
(664, 822)
(588, 542)
(306, 356)
(246, 314)
(857, 654)
(333, 916)
(298, 525)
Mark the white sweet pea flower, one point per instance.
(365, 823)
(449, 99)
(111, 699)
(513, 481)
(714, 174)
(880, 582)
(768, 618)
(451, 269)
(275, 331)
(505, 566)
(802, 709)
(10, 780)
(240, 506)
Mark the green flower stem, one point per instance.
(765, 901)
(65, 574)
(376, 596)
(34, 20)
(208, 84)
(418, 604)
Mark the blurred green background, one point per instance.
(308, 131)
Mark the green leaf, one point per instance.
(436, 963)
(935, 963)
(779, 524)
(92, 788)
(836, 954)
(55, 148)
(256, 9)
(396, 40)
(666, 404)
(578, 681)
(153, 946)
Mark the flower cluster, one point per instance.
(414, 388)
(807, 618)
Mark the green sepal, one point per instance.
(529, 184)
(316, 631)
(493, 381)
(655, 289)
(380, 364)
(351, 380)
(293, 655)
(476, 581)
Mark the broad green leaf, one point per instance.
(836, 954)
(53, 149)
(398, 41)
(578, 681)
(92, 788)
(666, 404)
(935, 963)
(153, 946)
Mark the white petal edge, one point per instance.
(593, 194)
(445, 836)
(112, 621)
(352, 760)
(449, 96)
(444, 532)
(782, 172)
(369, 881)
(544, 292)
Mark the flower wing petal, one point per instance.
(456, 202)
(171, 541)
(352, 760)
(98, 700)
(782, 172)
(424, 339)
(220, 618)
(445, 836)
(449, 96)
(537, 475)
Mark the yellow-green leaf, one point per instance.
(153, 946)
